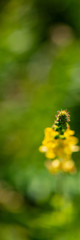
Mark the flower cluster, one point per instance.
(58, 145)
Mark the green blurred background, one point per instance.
(39, 74)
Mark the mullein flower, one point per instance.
(58, 145)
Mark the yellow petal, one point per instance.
(69, 132)
(43, 149)
(75, 148)
(73, 140)
(47, 131)
(50, 154)
(53, 166)
(68, 166)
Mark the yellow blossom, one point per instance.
(58, 144)
(53, 166)
(68, 166)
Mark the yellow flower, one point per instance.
(58, 144)
(53, 166)
(68, 166)
(50, 154)
(42, 148)
(75, 148)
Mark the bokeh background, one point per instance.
(39, 74)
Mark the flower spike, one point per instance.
(61, 122)
(58, 145)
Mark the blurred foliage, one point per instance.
(39, 74)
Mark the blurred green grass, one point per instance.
(39, 74)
